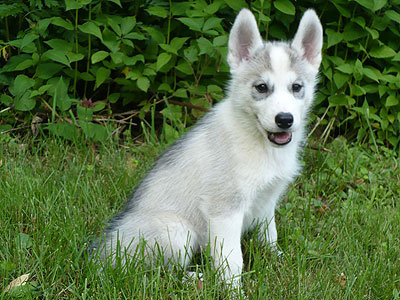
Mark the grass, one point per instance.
(338, 227)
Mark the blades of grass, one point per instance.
(366, 115)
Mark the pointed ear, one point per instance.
(308, 38)
(243, 39)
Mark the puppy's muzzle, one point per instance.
(283, 121)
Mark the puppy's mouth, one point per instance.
(280, 138)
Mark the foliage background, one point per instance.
(97, 68)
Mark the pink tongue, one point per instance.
(281, 137)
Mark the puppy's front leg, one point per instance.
(225, 236)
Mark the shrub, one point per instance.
(74, 66)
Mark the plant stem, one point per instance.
(76, 51)
(89, 51)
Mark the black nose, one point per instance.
(284, 120)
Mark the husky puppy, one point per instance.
(227, 173)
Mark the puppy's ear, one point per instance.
(243, 39)
(308, 38)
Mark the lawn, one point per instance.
(338, 226)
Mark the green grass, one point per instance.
(342, 216)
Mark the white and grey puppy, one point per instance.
(228, 172)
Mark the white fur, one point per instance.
(225, 175)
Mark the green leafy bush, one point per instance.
(75, 65)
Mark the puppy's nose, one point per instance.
(284, 120)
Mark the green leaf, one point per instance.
(133, 74)
(236, 5)
(61, 95)
(172, 112)
(60, 44)
(131, 61)
(393, 15)
(334, 37)
(358, 70)
(95, 132)
(113, 98)
(21, 84)
(86, 76)
(191, 53)
(72, 57)
(175, 45)
(374, 33)
(158, 11)
(213, 7)
(358, 90)
(117, 57)
(221, 40)
(372, 73)
(369, 4)
(99, 106)
(378, 4)
(66, 24)
(114, 23)
(23, 241)
(205, 46)
(193, 23)
(341, 100)
(171, 134)
(346, 68)
(344, 11)
(359, 20)
(65, 130)
(76, 4)
(99, 56)
(214, 89)
(101, 75)
(135, 36)
(91, 28)
(42, 25)
(14, 61)
(211, 23)
(84, 113)
(382, 51)
(397, 57)
(127, 24)
(353, 32)
(5, 99)
(155, 34)
(110, 40)
(24, 65)
(285, 6)
(340, 79)
(164, 87)
(41, 90)
(24, 102)
(28, 39)
(184, 67)
(149, 71)
(57, 56)
(47, 70)
(391, 101)
(162, 60)
(143, 83)
(118, 2)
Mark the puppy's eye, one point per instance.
(262, 88)
(296, 87)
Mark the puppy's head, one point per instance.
(274, 81)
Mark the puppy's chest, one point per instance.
(261, 183)
(258, 175)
